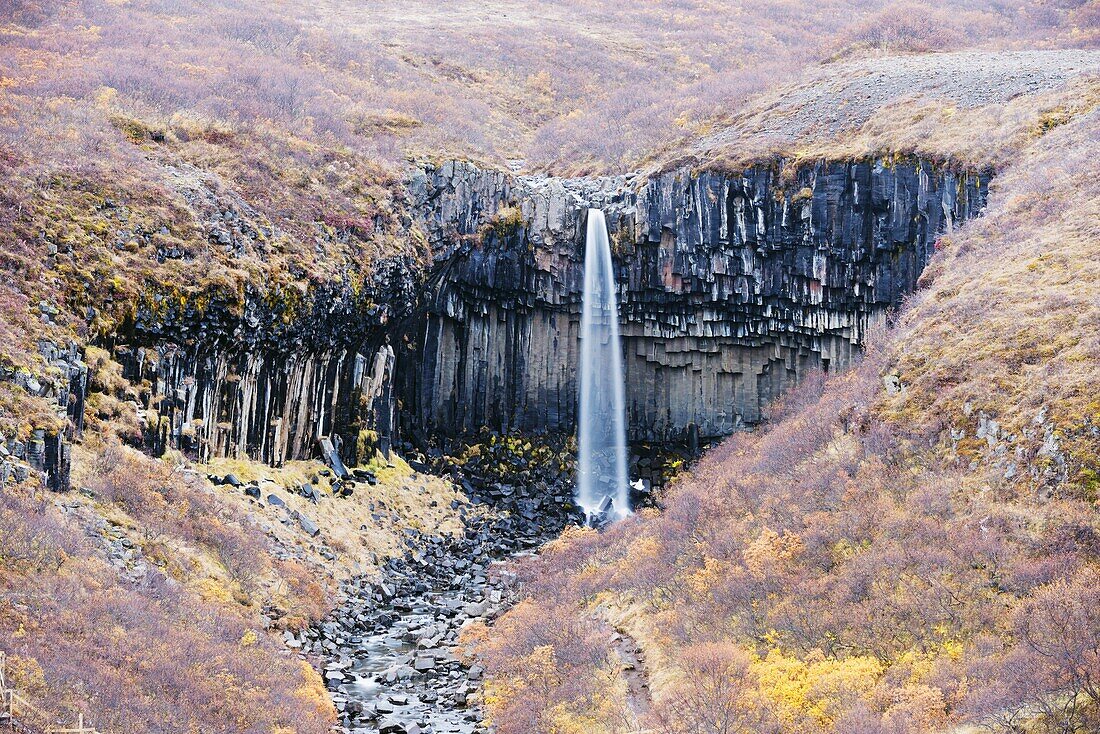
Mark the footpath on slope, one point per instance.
(632, 668)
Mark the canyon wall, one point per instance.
(731, 286)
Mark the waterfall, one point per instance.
(602, 483)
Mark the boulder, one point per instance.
(308, 525)
(332, 457)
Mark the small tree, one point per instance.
(717, 694)
(1059, 631)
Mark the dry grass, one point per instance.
(128, 129)
(402, 499)
(838, 113)
(1012, 338)
(180, 647)
(89, 640)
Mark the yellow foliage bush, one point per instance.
(814, 690)
(25, 675)
(771, 552)
(702, 580)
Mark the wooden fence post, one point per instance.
(9, 699)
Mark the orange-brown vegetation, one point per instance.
(918, 107)
(913, 546)
(180, 648)
(855, 567)
(150, 595)
(127, 129)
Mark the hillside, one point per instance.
(973, 109)
(907, 547)
(245, 243)
(150, 156)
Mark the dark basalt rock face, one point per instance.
(268, 382)
(64, 387)
(731, 287)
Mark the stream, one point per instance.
(390, 664)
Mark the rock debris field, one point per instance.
(392, 666)
(843, 96)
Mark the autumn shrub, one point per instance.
(718, 694)
(1044, 676)
(903, 27)
(153, 655)
(31, 540)
(306, 597)
(554, 672)
(1057, 630)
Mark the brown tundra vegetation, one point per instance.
(124, 124)
(857, 568)
(181, 649)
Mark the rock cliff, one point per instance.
(269, 379)
(730, 286)
(63, 387)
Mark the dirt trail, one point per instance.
(633, 670)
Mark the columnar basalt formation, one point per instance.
(262, 384)
(731, 286)
(63, 385)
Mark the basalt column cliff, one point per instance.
(731, 286)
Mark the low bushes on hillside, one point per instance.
(181, 648)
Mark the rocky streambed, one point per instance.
(390, 646)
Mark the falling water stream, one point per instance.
(602, 482)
